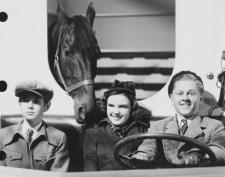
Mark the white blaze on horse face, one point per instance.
(118, 109)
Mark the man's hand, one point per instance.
(141, 156)
(191, 159)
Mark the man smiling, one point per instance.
(32, 143)
(186, 94)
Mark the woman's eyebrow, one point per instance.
(124, 105)
(111, 104)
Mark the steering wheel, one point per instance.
(126, 161)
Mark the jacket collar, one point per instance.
(12, 132)
(172, 125)
(194, 130)
(44, 131)
(26, 126)
(196, 127)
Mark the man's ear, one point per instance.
(47, 106)
(201, 98)
(171, 98)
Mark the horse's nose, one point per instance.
(79, 112)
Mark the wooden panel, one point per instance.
(149, 70)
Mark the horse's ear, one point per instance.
(62, 17)
(90, 13)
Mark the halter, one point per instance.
(56, 65)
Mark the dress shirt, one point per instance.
(26, 126)
(180, 123)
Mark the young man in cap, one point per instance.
(186, 94)
(32, 143)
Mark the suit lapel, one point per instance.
(172, 126)
(195, 128)
(171, 146)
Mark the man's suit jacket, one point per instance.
(206, 130)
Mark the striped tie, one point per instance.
(184, 127)
(29, 135)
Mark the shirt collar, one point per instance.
(179, 120)
(26, 126)
(43, 130)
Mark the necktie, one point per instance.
(184, 126)
(29, 134)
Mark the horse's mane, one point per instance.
(85, 41)
(82, 39)
(85, 36)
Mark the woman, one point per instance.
(100, 140)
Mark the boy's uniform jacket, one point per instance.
(48, 151)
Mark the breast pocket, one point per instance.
(14, 156)
(44, 160)
(14, 159)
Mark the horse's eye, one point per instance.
(66, 44)
(68, 39)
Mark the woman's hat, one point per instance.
(122, 86)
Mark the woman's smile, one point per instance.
(118, 109)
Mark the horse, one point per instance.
(73, 51)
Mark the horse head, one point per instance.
(73, 52)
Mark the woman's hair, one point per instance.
(119, 87)
(185, 75)
(127, 94)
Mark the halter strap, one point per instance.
(56, 65)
